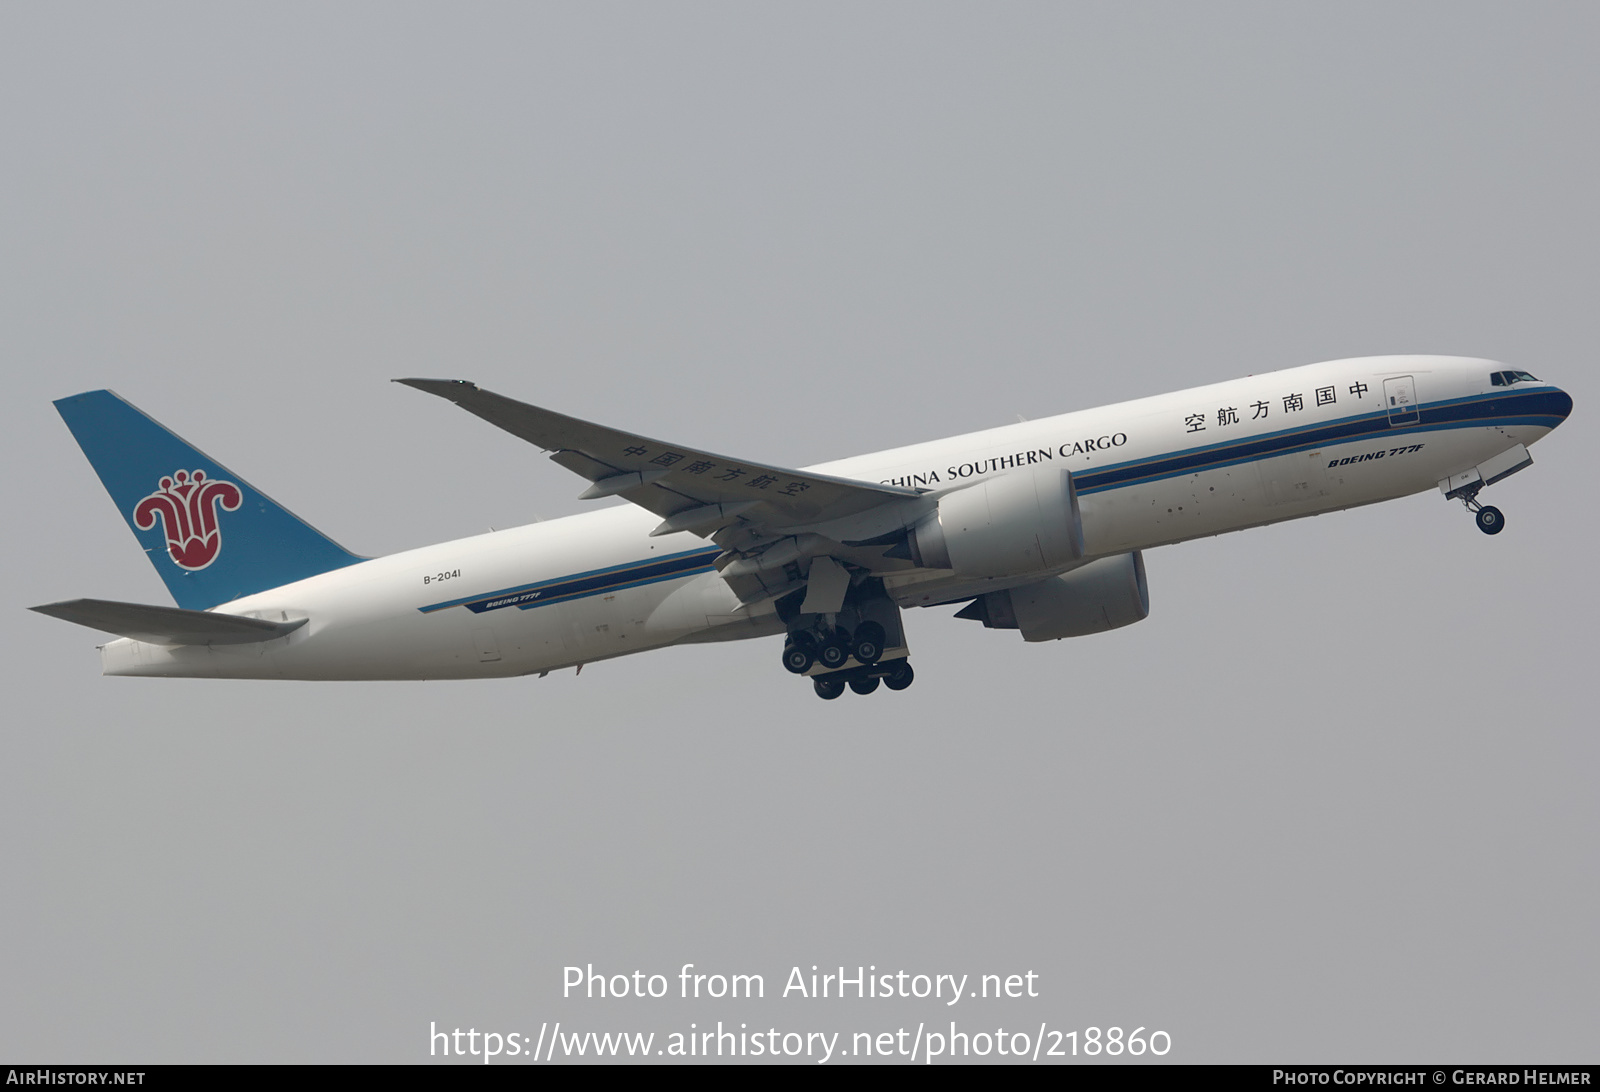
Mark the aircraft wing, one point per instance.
(691, 490)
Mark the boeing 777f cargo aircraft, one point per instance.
(1038, 527)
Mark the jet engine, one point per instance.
(1026, 521)
(1102, 595)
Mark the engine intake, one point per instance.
(1022, 522)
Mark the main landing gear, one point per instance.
(896, 675)
(859, 645)
(834, 648)
(1490, 520)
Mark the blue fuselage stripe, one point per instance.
(632, 575)
(1544, 408)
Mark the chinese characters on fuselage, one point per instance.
(1227, 416)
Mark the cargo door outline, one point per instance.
(1400, 398)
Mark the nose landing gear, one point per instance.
(1490, 520)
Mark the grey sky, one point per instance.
(1333, 800)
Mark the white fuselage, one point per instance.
(1153, 471)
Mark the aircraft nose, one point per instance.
(1561, 404)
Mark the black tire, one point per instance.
(827, 689)
(834, 651)
(799, 655)
(901, 677)
(868, 648)
(1490, 521)
(864, 686)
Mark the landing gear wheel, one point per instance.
(869, 645)
(827, 689)
(835, 650)
(901, 677)
(1490, 521)
(799, 653)
(864, 686)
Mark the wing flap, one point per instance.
(167, 625)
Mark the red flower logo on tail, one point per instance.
(187, 504)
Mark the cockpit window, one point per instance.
(1506, 379)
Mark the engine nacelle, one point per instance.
(1026, 521)
(1102, 595)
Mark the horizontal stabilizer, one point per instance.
(167, 625)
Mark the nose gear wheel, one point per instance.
(1490, 520)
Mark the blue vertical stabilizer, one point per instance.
(211, 535)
